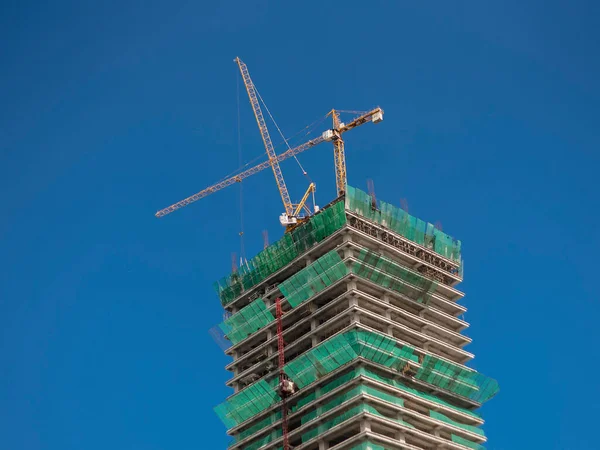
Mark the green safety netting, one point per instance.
(381, 349)
(421, 394)
(340, 350)
(269, 420)
(372, 266)
(466, 442)
(343, 348)
(274, 435)
(345, 378)
(399, 221)
(246, 321)
(328, 387)
(337, 400)
(343, 416)
(457, 379)
(325, 223)
(277, 433)
(282, 252)
(314, 278)
(248, 402)
(322, 273)
(320, 361)
(382, 271)
(443, 418)
(346, 397)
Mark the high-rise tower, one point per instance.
(372, 334)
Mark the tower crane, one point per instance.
(291, 217)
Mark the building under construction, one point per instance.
(346, 333)
(372, 337)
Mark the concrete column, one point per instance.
(351, 285)
(400, 437)
(313, 324)
(365, 425)
(388, 314)
(348, 252)
(386, 298)
(323, 445)
(353, 301)
(314, 340)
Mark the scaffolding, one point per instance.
(325, 223)
(282, 252)
(349, 397)
(246, 321)
(415, 373)
(314, 278)
(399, 221)
(344, 348)
(324, 272)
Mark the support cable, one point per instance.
(304, 172)
(239, 143)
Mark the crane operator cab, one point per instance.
(286, 220)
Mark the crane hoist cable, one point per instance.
(240, 160)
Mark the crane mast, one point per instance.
(339, 158)
(335, 135)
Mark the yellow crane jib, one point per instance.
(239, 177)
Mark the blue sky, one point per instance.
(111, 111)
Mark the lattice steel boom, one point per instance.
(264, 132)
(239, 177)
